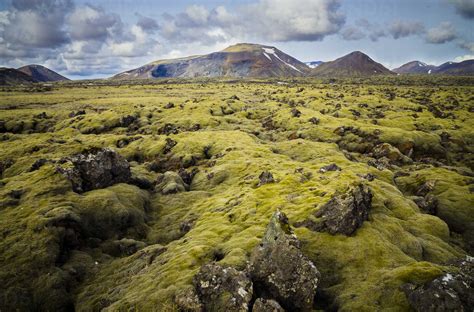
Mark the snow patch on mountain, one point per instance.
(273, 52)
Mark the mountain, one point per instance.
(11, 76)
(352, 64)
(240, 60)
(313, 64)
(465, 68)
(41, 74)
(415, 67)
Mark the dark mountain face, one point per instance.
(241, 60)
(11, 76)
(465, 68)
(41, 74)
(352, 64)
(415, 67)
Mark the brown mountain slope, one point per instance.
(240, 60)
(352, 64)
(41, 73)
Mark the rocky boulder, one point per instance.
(223, 288)
(95, 169)
(279, 269)
(449, 292)
(344, 213)
(390, 152)
(266, 305)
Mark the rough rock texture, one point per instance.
(170, 183)
(266, 305)
(343, 214)
(392, 153)
(223, 288)
(279, 269)
(265, 177)
(449, 292)
(427, 204)
(95, 169)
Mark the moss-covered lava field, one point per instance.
(114, 195)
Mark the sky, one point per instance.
(84, 39)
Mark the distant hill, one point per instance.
(352, 64)
(41, 74)
(415, 67)
(11, 76)
(313, 64)
(240, 60)
(465, 68)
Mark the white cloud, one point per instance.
(445, 32)
(464, 58)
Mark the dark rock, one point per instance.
(266, 305)
(381, 163)
(427, 204)
(314, 120)
(170, 183)
(279, 269)
(343, 214)
(38, 164)
(168, 129)
(331, 167)
(265, 177)
(188, 301)
(169, 105)
(142, 183)
(385, 150)
(16, 194)
(187, 176)
(195, 127)
(42, 115)
(170, 143)
(268, 124)
(5, 164)
(79, 112)
(127, 120)
(95, 169)
(425, 188)
(234, 97)
(369, 177)
(223, 288)
(449, 292)
(295, 113)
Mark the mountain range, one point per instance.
(249, 60)
(28, 74)
(449, 68)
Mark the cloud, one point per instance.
(468, 46)
(373, 30)
(401, 29)
(352, 33)
(465, 8)
(92, 23)
(35, 24)
(268, 20)
(148, 24)
(445, 32)
(294, 20)
(464, 58)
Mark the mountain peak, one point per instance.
(41, 73)
(355, 63)
(242, 47)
